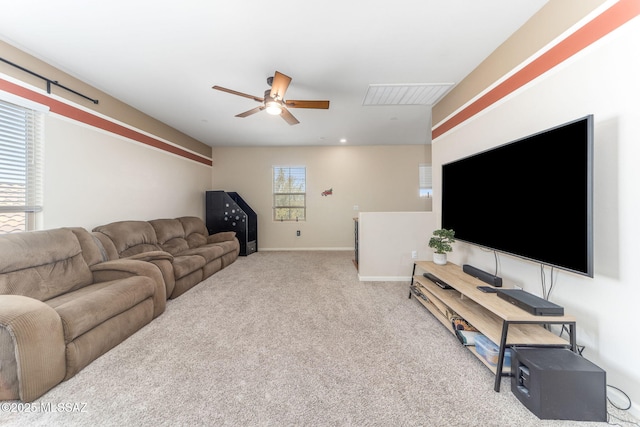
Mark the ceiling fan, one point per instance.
(274, 102)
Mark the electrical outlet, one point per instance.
(414, 254)
(298, 233)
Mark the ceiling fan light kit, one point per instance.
(273, 108)
(274, 102)
(272, 105)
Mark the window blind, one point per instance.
(426, 183)
(289, 193)
(20, 167)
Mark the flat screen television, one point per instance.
(532, 198)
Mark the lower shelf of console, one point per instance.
(489, 316)
(439, 312)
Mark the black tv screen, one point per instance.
(532, 198)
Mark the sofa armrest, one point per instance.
(123, 268)
(223, 236)
(33, 349)
(164, 261)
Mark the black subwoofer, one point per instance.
(557, 384)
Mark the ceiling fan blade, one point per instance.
(234, 92)
(250, 112)
(324, 105)
(279, 85)
(288, 117)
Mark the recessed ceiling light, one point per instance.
(343, 140)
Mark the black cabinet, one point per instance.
(356, 242)
(227, 211)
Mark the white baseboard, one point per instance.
(384, 278)
(304, 249)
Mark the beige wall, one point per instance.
(94, 177)
(387, 241)
(551, 21)
(376, 178)
(107, 105)
(601, 80)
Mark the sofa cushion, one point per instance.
(42, 264)
(195, 231)
(228, 246)
(195, 240)
(130, 237)
(170, 235)
(86, 308)
(208, 252)
(96, 342)
(186, 264)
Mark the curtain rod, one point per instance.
(49, 81)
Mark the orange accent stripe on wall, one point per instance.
(603, 24)
(82, 116)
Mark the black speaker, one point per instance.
(557, 384)
(482, 275)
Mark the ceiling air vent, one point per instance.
(405, 94)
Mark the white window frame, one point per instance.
(289, 196)
(425, 173)
(21, 164)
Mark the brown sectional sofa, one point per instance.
(67, 296)
(183, 243)
(61, 307)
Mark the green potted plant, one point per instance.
(441, 243)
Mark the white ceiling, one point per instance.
(162, 57)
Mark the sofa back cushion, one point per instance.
(130, 237)
(92, 250)
(195, 231)
(170, 235)
(42, 264)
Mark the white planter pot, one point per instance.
(440, 259)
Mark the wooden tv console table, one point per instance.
(497, 319)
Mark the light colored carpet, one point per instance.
(287, 339)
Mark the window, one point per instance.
(426, 185)
(20, 168)
(289, 193)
